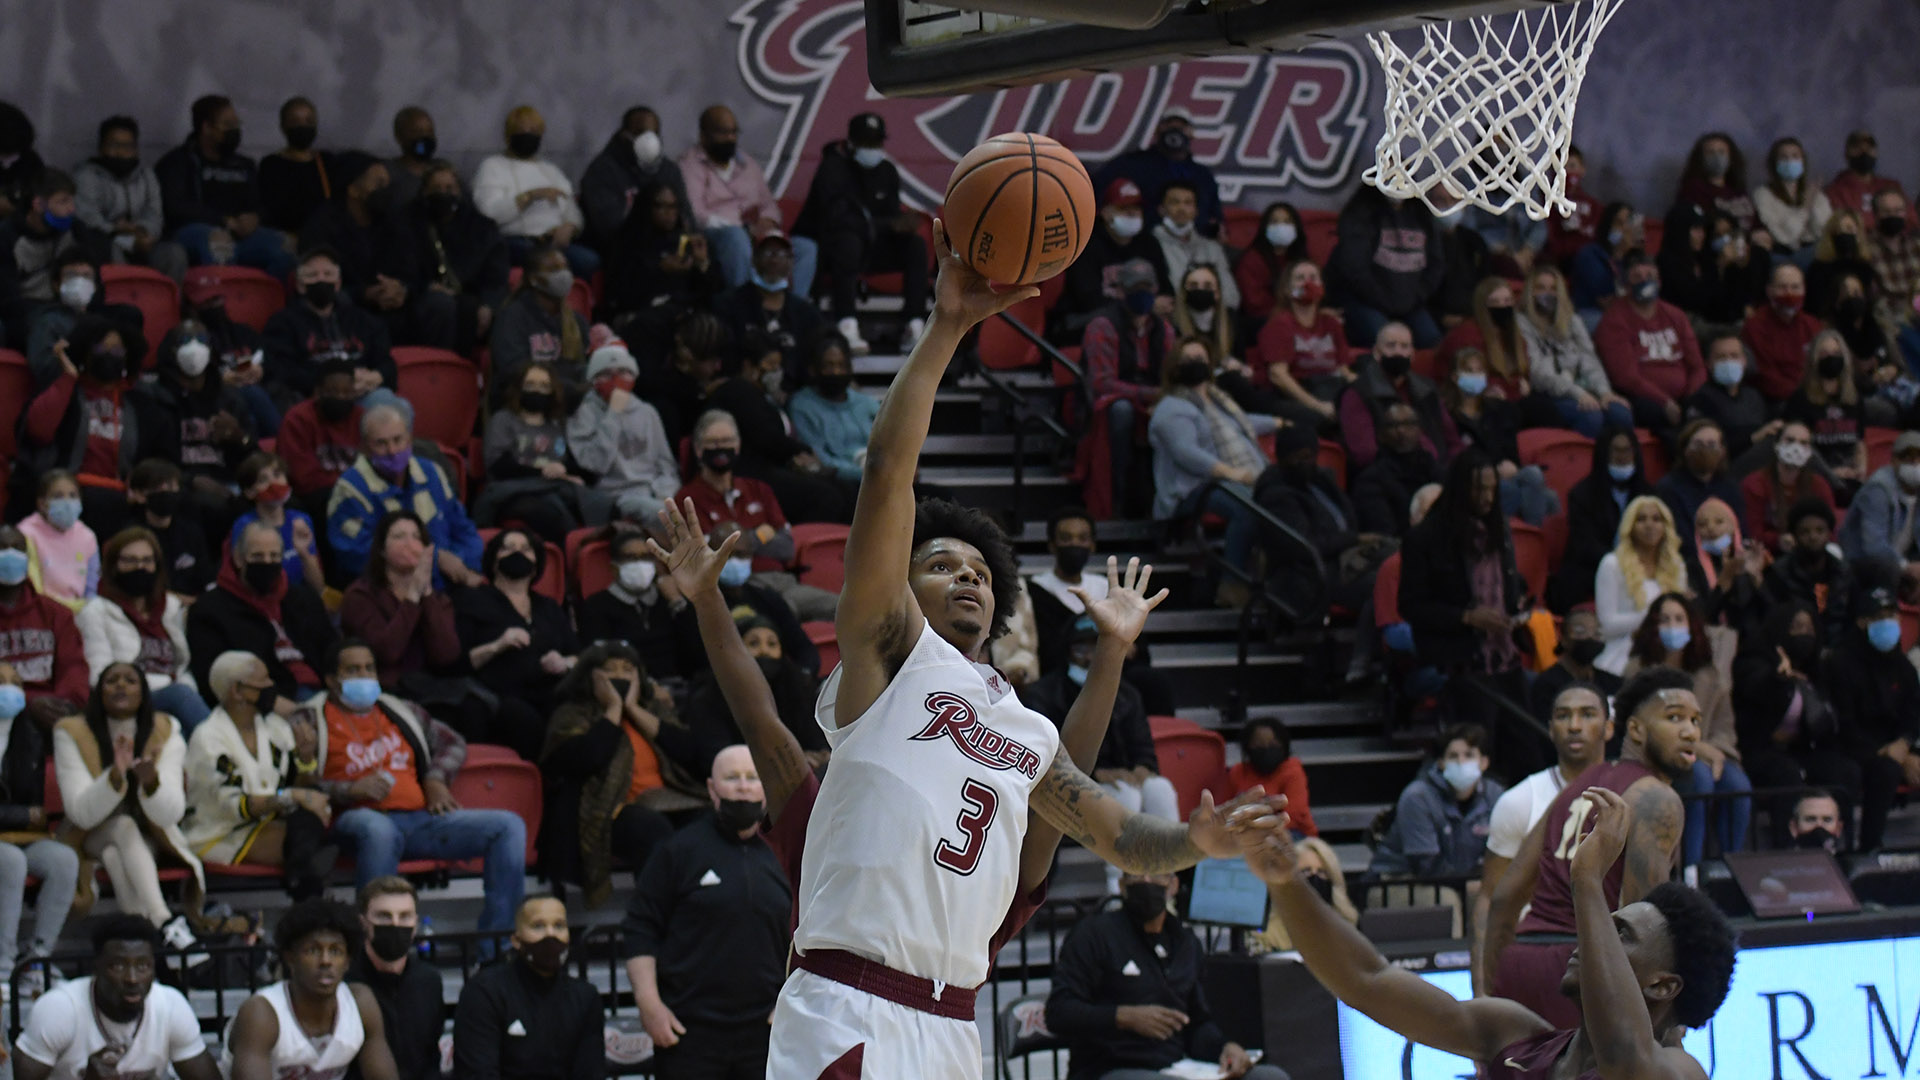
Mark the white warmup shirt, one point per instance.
(299, 1056)
(62, 1032)
(1520, 809)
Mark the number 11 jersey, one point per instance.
(1569, 818)
(913, 848)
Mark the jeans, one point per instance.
(1589, 423)
(263, 248)
(848, 254)
(732, 248)
(581, 259)
(380, 839)
(1731, 816)
(183, 703)
(58, 868)
(1525, 495)
(1365, 323)
(1239, 539)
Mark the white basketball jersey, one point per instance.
(297, 1056)
(913, 847)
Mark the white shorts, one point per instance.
(824, 1030)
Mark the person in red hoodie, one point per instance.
(1649, 351)
(39, 638)
(1779, 334)
(1269, 762)
(320, 437)
(1302, 350)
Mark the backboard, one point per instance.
(918, 48)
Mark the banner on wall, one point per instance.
(1265, 124)
(1797, 1012)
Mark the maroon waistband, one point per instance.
(952, 1002)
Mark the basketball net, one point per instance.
(1482, 111)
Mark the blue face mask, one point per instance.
(1790, 169)
(1719, 545)
(12, 700)
(736, 572)
(63, 514)
(770, 286)
(1621, 473)
(1140, 302)
(13, 566)
(1884, 634)
(1078, 674)
(1646, 292)
(1614, 238)
(1471, 383)
(1675, 638)
(359, 694)
(1728, 373)
(57, 222)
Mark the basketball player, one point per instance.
(1663, 724)
(913, 850)
(314, 1025)
(1636, 976)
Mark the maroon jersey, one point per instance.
(1532, 1058)
(1569, 819)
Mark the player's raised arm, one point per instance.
(1348, 965)
(1071, 802)
(878, 621)
(695, 569)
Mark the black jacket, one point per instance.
(562, 1019)
(1875, 695)
(1791, 579)
(846, 198)
(483, 613)
(298, 339)
(612, 184)
(637, 282)
(795, 689)
(220, 621)
(1593, 522)
(175, 424)
(712, 911)
(1332, 530)
(195, 191)
(414, 1010)
(362, 248)
(1377, 392)
(1129, 740)
(1383, 492)
(668, 642)
(1087, 280)
(23, 773)
(291, 191)
(1496, 431)
(1107, 962)
(470, 249)
(570, 763)
(1762, 695)
(1371, 227)
(1738, 416)
(765, 442)
(792, 326)
(191, 567)
(1436, 590)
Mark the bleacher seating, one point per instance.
(819, 552)
(154, 293)
(444, 391)
(1192, 758)
(251, 296)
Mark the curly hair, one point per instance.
(936, 518)
(1642, 688)
(1703, 950)
(318, 915)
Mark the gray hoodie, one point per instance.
(1879, 524)
(625, 449)
(102, 198)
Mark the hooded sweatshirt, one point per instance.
(615, 178)
(1880, 521)
(40, 639)
(299, 339)
(627, 450)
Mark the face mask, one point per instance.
(136, 583)
(107, 366)
(773, 381)
(394, 464)
(514, 566)
(1584, 651)
(1646, 292)
(1502, 316)
(1719, 545)
(1127, 226)
(605, 385)
(1070, 559)
(1719, 243)
(524, 144)
(333, 409)
(1174, 142)
(1728, 373)
(359, 694)
(441, 205)
(832, 385)
(1396, 367)
(1863, 164)
(554, 284)
(1817, 839)
(546, 956)
(1282, 234)
(1884, 634)
(1909, 475)
(1140, 301)
(536, 401)
(1322, 886)
(736, 572)
(1461, 776)
(1471, 383)
(1786, 308)
(301, 137)
(1078, 674)
(1182, 229)
(1846, 245)
(1192, 372)
(163, 504)
(1201, 299)
(718, 458)
(423, 147)
(637, 576)
(1265, 759)
(230, 143)
(1309, 293)
(57, 222)
(12, 700)
(1546, 303)
(769, 285)
(120, 167)
(63, 514)
(1143, 901)
(1892, 227)
(320, 294)
(1831, 366)
(1614, 237)
(720, 152)
(1802, 650)
(264, 577)
(390, 943)
(1675, 638)
(1790, 169)
(646, 147)
(191, 357)
(620, 687)
(739, 815)
(1716, 164)
(77, 292)
(868, 156)
(13, 564)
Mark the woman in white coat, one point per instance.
(1644, 563)
(135, 620)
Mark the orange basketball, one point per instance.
(1019, 208)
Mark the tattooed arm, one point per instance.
(1071, 802)
(1655, 840)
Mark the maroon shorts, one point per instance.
(1530, 974)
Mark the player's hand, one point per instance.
(1267, 848)
(962, 296)
(1156, 1022)
(1601, 848)
(1122, 614)
(1207, 825)
(693, 566)
(662, 1026)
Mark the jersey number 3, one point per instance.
(975, 819)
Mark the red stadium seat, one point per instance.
(1556, 529)
(553, 579)
(252, 296)
(819, 550)
(1530, 557)
(1333, 457)
(457, 470)
(1909, 629)
(593, 570)
(1879, 447)
(443, 388)
(1323, 233)
(501, 783)
(54, 806)
(1239, 227)
(480, 752)
(1425, 363)
(1002, 348)
(1565, 456)
(16, 388)
(153, 292)
(1653, 455)
(1653, 231)
(824, 639)
(1193, 758)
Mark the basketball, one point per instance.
(1019, 208)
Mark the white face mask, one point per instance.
(646, 147)
(638, 576)
(1180, 229)
(77, 292)
(1281, 234)
(868, 156)
(1127, 226)
(1910, 475)
(1461, 776)
(1793, 455)
(192, 357)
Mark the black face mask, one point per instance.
(536, 401)
(1803, 651)
(333, 409)
(1396, 367)
(136, 583)
(1201, 299)
(321, 294)
(390, 943)
(441, 205)
(514, 566)
(1143, 901)
(302, 136)
(718, 458)
(720, 152)
(1846, 245)
(1852, 309)
(1893, 226)
(1192, 372)
(1864, 164)
(620, 687)
(1831, 366)
(423, 148)
(832, 385)
(770, 667)
(107, 367)
(379, 199)
(1584, 651)
(1070, 559)
(548, 956)
(739, 815)
(524, 144)
(1322, 884)
(1301, 473)
(1173, 142)
(1502, 316)
(263, 577)
(1265, 759)
(120, 167)
(163, 504)
(1817, 839)
(230, 143)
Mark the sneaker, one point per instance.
(179, 937)
(37, 980)
(849, 328)
(915, 327)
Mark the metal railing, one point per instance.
(1023, 412)
(1308, 616)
